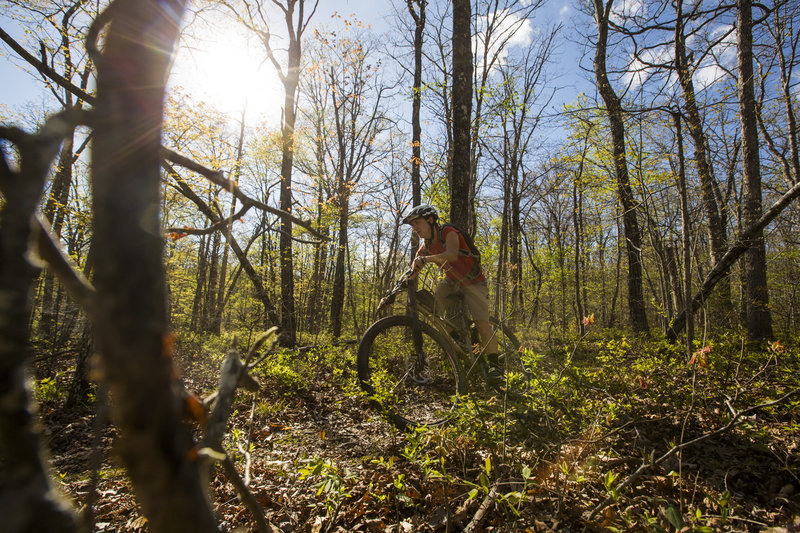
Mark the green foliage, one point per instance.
(284, 370)
(50, 389)
(599, 388)
(331, 484)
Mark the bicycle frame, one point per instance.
(422, 360)
(422, 301)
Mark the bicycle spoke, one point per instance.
(388, 361)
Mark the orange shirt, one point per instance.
(463, 265)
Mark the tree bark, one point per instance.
(54, 212)
(633, 238)
(759, 318)
(154, 444)
(290, 80)
(461, 208)
(337, 298)
(416, 105)
(200, 286)
(686, 237)
(28, 500)
(216, 324)
(709, 189)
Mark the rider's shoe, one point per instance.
(494, 373)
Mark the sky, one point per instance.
(217, 74)
(19, 88)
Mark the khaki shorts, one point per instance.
(476, 296)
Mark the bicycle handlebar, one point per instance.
(399, 285)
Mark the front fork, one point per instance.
(420, 372)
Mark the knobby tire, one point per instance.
(385, 362)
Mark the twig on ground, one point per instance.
(733, 422)
(479, 514)
(247, 497)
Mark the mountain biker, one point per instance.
(447, 247)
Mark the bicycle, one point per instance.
(416, 366)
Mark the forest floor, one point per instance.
(320, 459)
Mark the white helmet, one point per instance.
(421, 211)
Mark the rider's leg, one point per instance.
(476, 297)
(446, 296)
(488, 338)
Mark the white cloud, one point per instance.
(638, 71)
(724, 55)
(508, 28)
(564, 11)
(628, 8)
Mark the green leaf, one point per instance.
(526, 472)
(674, 517)
(473, 493)
(609, 480)
(488, 465)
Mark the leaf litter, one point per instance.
(323, 461)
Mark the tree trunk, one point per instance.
(686, 230)
(517, 292)
(337, 298)
(54, 212)
(210, 300)
(633, 238)
(461, 208)
(290, 79)
(577, 213)
(501, 281)
(154, 444)
(709, 189)
(288, 336)
(197, 302)
(320, 261)
(80, 387)
(759, 319)
(216, 324)
(416, 105)
(28, 501)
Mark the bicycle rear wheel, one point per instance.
(408, 396)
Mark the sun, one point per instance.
(227, 70)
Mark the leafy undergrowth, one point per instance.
(583, 446)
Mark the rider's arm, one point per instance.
(450, 254)
(418, 263)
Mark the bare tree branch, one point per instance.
(218, 177)
(45, 70)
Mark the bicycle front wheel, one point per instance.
(410, 394)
